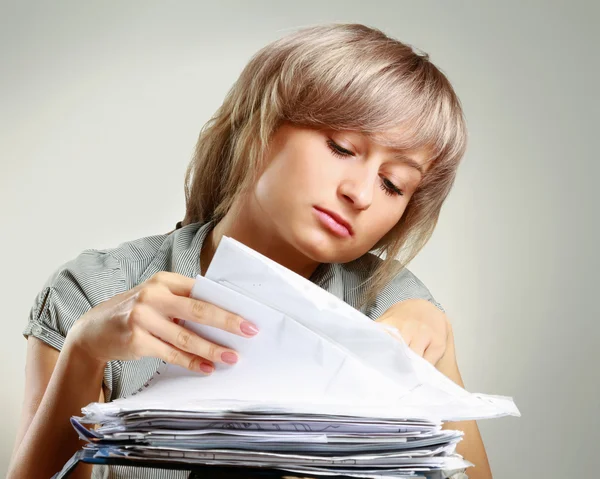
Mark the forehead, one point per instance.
(397, 139)
(403, 146)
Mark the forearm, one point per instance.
(428, 332)
(50, 439)
(472, 449)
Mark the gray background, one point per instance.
(108, 97)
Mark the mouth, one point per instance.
(335, 222)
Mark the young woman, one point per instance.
(332, 154)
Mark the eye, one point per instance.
(390, 188)
(338, 151)
(386, 185)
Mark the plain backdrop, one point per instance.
(101, 104)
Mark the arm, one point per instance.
(40, 361)
(471, 447)
(125, 327)
(57, 386)
(428, 332)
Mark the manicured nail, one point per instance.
(229, 357)
(248, 328)
(206, 368)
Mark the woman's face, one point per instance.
(312, 172)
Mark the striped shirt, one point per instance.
(95, 276)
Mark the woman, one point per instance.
(335, 142)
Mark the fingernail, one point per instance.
(229, 357)
(206, 368)
(248, 328)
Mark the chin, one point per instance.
(320, 246)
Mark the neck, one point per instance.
(258, 237)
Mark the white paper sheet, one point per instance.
(314, 354)
(423, 387)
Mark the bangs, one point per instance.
(394, 96)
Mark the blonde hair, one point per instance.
(343, 77)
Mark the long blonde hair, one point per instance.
(343, 77)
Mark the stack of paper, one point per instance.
(321, 390)
(293, 442)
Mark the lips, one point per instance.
(339, 219)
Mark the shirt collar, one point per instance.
(186, 255)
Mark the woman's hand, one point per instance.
(144, 322)
(428, 332)
(424, 328)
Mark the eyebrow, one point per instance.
(407, 160)
(399, 156)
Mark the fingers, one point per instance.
(421, 339)
(419, 343)
(206, 313)
(154, 347)
(175, 282)
(433, 354)
(181, 338)
(191, 309)
(427, 346)
(407, 330)
(425, 334)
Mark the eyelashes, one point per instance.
(338, 150)
(386, 185)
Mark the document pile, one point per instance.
(322, 390)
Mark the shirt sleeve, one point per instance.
(405, 285)
(69, 292)
(74, 288)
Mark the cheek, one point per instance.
(296, 173)
(281, 181)
(303, 167)
(385, 220)
(268, 188)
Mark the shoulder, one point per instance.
(90, 278)
(101, 273)
(404, 285)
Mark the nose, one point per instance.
(357, 188)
